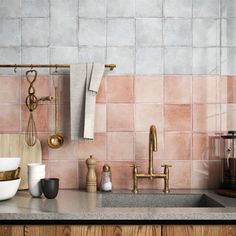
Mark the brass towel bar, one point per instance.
(111, 66)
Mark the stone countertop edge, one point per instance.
(76, 206)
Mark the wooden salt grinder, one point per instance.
(91, 179)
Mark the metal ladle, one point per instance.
(56, 140)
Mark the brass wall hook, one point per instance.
(56, 68)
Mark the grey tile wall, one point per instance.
(35, 8)
(10, 32)
(35, 32)
(151, 8)
(92, 32)
(178, 8)
(149, 32)
(10, 8)
(140, 36)
(120, 32)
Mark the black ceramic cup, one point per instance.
(50, 187)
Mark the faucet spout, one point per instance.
(152, 147)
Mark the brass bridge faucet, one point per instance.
(151, 173)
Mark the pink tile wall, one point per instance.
(187, 111)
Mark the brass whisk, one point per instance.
(31, 102)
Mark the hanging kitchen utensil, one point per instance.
(31, 103)
(56, 140)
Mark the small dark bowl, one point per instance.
(50, 187)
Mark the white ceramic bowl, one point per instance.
(9, 163)
(8, 188)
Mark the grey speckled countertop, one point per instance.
(78, 206)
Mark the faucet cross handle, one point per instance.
(166, 165)
(134, 165)
(135, 180)
(166, 180)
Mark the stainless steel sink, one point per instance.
(156, 200)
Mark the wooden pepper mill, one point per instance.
(91, 179)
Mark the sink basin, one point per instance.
(157, 200)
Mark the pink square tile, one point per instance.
(63, 118)
(66, 171)
(227, 89)
(120, 117)
(10, 118)
(205, 118)
(178, 146)
(180, 174)
(178, 89)
(201, 146)
(96, 147)
(68, 151)
(121, 175)
(206, 174)
(41, 117)
(177, 117)
(120, 146)
(142, 146)
(41, 85)
(206, 146)
(83, 170)
(10, 89)
(120, 89)
(101, 95)
(228, 117)
(205, 89)
(149, 89)
(62, 83)
(100, 118)
(147, 115)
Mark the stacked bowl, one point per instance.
(9, 177)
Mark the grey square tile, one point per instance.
(178, 60)
(206, 8)
(123, 57)
(92, 54)
(35, 32)
(150, 8)
(205, 61)
(35, 55)
(149, 61)
(120, 32)
(228, 32)
(92, 9)
(120, 8)
(10, 8)
(92, 32)
(228, 61)
(66, 8)
(63, 55)
(66, 35)
(177, 32)
(229, 8)
(149, 32)
(35, 8)
(206, 32)
(11, 56)
(10, 32)
(178, 8)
